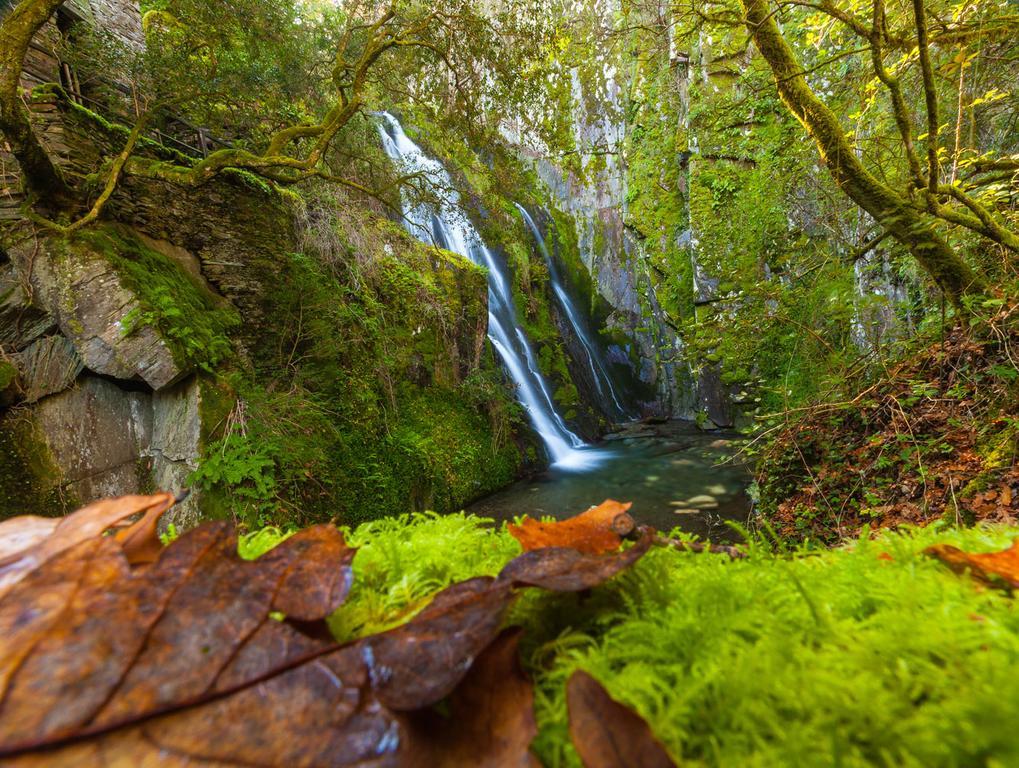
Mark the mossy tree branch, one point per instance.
(930, 96)
(293, 153)
(899, 108)
(889, 208)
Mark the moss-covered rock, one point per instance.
(176, 302)
(26, 468)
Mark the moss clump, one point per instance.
(192, 320)
(868, 655)
(8, 373)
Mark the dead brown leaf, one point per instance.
(82, 525)
(490, 723)
(607, 734)
(19, 533)
(991, 567)
(562, 569)
(598, 530)
(111, 646)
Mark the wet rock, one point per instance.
(47, 366)
(175, 446)
(94, 309)
(21, 320)
(95, 434)
(697, 503)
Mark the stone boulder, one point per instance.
(47, 366)
(96, 434)
(94, 310)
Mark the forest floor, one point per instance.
(872, 653)
(933, 437)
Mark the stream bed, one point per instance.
(675, 474)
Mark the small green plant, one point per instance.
(245, 467)
(170, 534)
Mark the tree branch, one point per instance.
(930, 96)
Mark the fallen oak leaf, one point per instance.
(84, 524)
(991, 567)
(40, 599)
(19, 533)
(490, 723)
(323, 708)
(417, 664)
(598, 530)
(106, 651)
(562, 569)
(607, 734)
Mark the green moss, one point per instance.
(8, 373)
(192, 320)
(869, 655)
(262, 186)
(27, 472)
(842, 658)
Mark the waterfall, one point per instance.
(447, 226)
(599, 372)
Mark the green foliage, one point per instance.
(868, 655)
(192, 320)
(403, 561)
(247, 466)
(257, 543)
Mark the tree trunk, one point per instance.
(41, 177)
(891, 210)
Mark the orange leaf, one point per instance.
(990, 567)
(598, 530)
(140, 541)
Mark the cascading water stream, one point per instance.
(446, 225)
(599, 373)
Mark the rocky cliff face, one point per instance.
(640, 334)
(203, 338)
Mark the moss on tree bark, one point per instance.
(895, 212)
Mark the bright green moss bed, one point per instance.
(871, 654)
